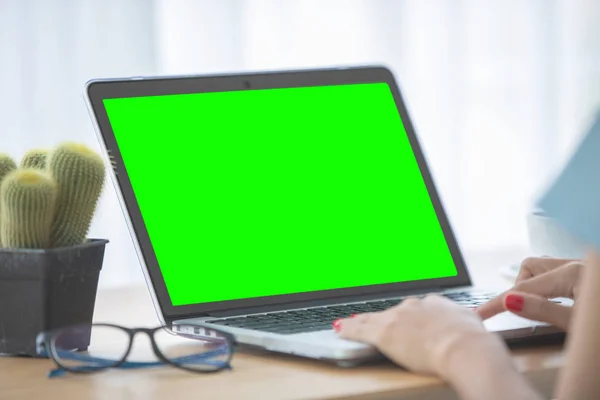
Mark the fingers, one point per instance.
(537, 308)
(361, 327)
(371, 327)
(493, 307)
(555, 283)
(534, 266)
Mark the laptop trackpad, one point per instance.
(509, 324)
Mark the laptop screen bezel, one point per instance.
(98, 90)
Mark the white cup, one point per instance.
(548, 238)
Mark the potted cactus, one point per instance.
(49, 269)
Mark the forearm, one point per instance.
(579, 375)
(484, 370)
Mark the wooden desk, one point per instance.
(254, 376)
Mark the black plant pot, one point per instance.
(46, 289)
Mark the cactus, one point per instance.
(35, 159)
(79, 175)
(27, 198)
(50, 200)
(7, 165)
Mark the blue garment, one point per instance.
(573, 199)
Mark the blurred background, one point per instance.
(500, 91)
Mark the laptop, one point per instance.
(269, 204)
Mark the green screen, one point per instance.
(268, 192)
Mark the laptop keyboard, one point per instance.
(320, 318)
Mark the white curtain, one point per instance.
(499, 90)
(48, 50)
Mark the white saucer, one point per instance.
(510, 271)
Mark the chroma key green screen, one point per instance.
(268, 192)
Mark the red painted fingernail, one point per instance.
(514, 302)
(336, 325)
(352, 315)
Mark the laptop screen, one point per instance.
(258, 193)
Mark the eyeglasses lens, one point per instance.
(206, 350)
(89, 347)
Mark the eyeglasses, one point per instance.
(90, 348)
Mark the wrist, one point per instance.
(457, 352)
(480, 365)
(463, 356)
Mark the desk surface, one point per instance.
(263, 376)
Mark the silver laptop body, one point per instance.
(318, 340)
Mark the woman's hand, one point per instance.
(436, 336)
(539, 279)
(425, 335)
